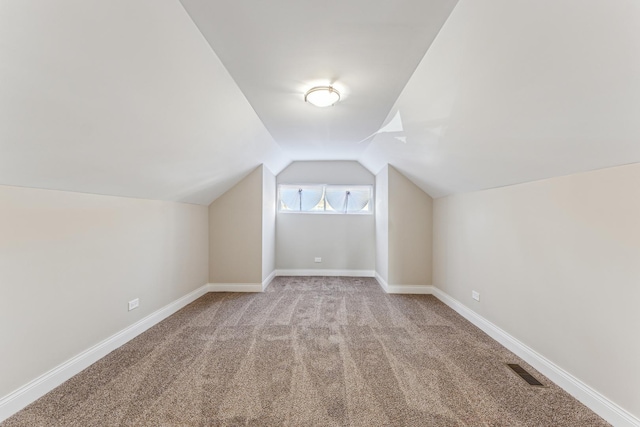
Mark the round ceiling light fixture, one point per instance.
(322, 96)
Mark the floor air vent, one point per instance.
(525, 375)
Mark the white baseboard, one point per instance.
(266, 282)
(242, 287)
(332, 273)
(403, 289)
(410, 289)
(33, 390)
(23, 396)
(235, 287)
(383, 283)
(595, 401)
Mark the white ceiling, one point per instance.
(124, 98)
(276, 51)
(128, 98)
(515, 91)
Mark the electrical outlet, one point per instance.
(475, 295)
(134, 303)
(318, 259)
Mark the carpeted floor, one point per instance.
(324, 351)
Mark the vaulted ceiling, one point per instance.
(178, 101)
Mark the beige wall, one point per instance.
(235, 232)
(344, 242)
(70, 262)
(410, 232)
(557, 264)
(268, 222)
(403, 230)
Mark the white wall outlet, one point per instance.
(475, 295)
(134, 303)
(318, 259)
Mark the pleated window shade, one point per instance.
(329, 199)
(301, 198)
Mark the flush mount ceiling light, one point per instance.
(322, 96)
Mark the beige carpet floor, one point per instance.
(321, 351)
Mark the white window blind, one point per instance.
(300, 198)
(330, 199)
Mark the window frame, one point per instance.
(323, 210)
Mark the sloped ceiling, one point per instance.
(123, 98)
(516, 91)
(162, 100)
(276, 51)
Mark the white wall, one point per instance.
(382, 223)
(70, 262)
(235, 232)
(557, 264)
(344, 242)
(268, 223)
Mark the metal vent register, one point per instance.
(522, 373)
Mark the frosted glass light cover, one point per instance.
(323, 96)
